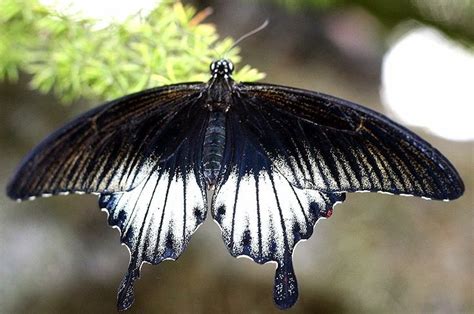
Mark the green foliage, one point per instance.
(74, 58)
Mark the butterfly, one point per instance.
(266, 161)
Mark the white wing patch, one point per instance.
(156, 220)
(263, 216)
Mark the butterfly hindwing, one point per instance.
(157, 218)
(110, 148)
(261, 214)
(329, 144)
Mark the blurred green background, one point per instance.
(376, 254)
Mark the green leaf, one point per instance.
(73, 58)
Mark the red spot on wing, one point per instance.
(327, 213)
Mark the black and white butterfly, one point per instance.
(267, 161)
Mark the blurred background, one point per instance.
(412, 60)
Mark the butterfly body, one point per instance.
(213, 148)
(267, 161)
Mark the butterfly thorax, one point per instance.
(219, 96)
(220, 86)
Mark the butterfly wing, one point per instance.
(325, 143)
(110, 148)
(291, 155)
(142, 154)
(262, 215)
(157, 218)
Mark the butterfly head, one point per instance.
(222, 68)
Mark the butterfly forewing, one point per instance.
(325, 143)
(110, 148)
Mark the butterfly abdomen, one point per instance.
(213, 147)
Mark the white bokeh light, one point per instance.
(104, 11)
(428, 81)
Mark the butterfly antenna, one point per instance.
(252, 32)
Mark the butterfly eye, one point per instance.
(212, 67)
(230, 66)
